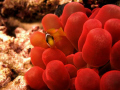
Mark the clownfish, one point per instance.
(53, 35)
(49, 40)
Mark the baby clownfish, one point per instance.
(54, 35)
(49, 40)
